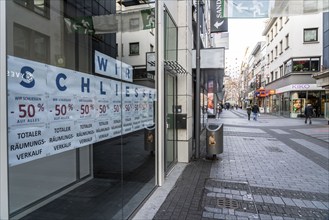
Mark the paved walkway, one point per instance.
(273, 168)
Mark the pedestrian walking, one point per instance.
(255, 111)
(248, 111)
(218, 110)
(308, 113)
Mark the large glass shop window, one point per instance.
(81, 117)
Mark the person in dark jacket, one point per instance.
(308, 113)
(255, 111)
(248, 111)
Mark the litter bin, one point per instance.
(215, 139)
(149, 138)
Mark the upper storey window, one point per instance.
(40, 7)
(311, 35)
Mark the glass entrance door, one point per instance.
(171, 132)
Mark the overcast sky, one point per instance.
(243, 33)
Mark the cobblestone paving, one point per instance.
(267, 178)
(267, 170)
(265, 203)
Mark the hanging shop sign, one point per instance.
(52, 109)
(217, 22)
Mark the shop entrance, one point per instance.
(170, 112)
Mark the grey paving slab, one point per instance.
(319, 205)
(321, 133)
(314, 147)
(277, 200)
(280, 131)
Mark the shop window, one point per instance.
(40, 7)
(311, 35)
(133, 49)
(31, 44)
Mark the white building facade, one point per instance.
(293, 54)
(92, 113)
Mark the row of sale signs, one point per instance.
(52, 109)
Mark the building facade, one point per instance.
(294, 53)
(97, 106)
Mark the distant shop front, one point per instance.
(290, 101)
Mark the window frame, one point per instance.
(287, 41)
(131, 52)
(31, 52)
(30, 5)
(308, 30)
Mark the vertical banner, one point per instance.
(27, 144)
(108, 66)
(136, 116)
(115, 108)
(85, 132)
(151, 99)
(26, 110)
(61, 137)
(26, 98)
(26, 77)
(127, 108)
(217, 22)
(144, 107)
(102, 105)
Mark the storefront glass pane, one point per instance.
(81, 109)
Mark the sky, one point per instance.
(243, 33)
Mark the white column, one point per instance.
(160, 79)
(184, 82)
(3, 116)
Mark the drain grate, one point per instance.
(227, 203)
(273, 149)
(249, 139)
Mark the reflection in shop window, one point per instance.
(310, 6)
(134, 49)
(134, 23)
(40, 7)
(31, 44)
